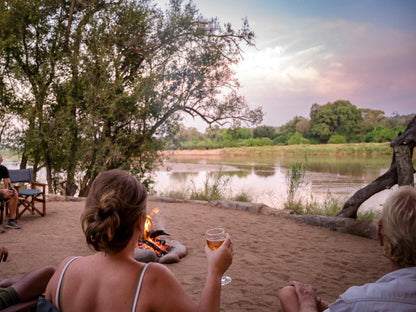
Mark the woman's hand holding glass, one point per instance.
(219, 260)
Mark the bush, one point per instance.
(297, 138)
(383, 134)
(281, 139)
(337, 139)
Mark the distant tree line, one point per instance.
(331, 123)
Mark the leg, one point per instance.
(13, 206)
(289, 299)
(33, 284)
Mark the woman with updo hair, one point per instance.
(111, 279)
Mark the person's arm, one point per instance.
(165, 285)
(7, 183)
(218, 262)
(50, 290)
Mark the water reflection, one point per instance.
(263, 178)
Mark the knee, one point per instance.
(48, 271)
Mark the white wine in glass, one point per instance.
(215, 238)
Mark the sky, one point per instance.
(320, 51)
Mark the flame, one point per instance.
(148, 225)
(147, 241)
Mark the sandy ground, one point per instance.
(270, 251)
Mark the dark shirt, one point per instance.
(4, 174)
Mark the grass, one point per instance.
(294, 179)
(331, 205)
(316, 149)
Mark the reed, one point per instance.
(215, 187)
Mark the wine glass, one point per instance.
(215, 238)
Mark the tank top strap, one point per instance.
(139, 286)
(58, 288)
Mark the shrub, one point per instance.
(297, 138)
(337, 139)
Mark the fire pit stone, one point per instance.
(176, 251)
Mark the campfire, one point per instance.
(156, 245)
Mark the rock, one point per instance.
(250, 207)
(177, 248)
(145, 255)
(169, 258)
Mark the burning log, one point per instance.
(158, 250)
(152, 248)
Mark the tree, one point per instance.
(113, 77)
(400, 172)
(30, 48)
(340, 117)
(372, 118)
(264, 132)
(234, 134)
(290, 127)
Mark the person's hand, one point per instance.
(4, 252)
(306, 296)
(7, 193)
(220, 260)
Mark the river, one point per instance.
(263, 177)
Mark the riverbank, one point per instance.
(269, 251)
(302, 149)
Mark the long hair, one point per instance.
(114, 204)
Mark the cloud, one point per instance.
(317, 61)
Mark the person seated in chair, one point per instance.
(8, 194)
(23, 287)
(395, 291)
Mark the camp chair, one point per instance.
(28, 197)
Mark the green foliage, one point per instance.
(329, 207)
(264, 132)
(294, 179)
(337, 139)
(242, 197)
(280, 139)
(369, 215)
(297, 138)
(215, 187)
(105, 84)
(340, 117)
(236, 134)
(382, 134)
(372, 118)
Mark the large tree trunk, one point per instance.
(400, 172)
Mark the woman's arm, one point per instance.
(163, 292)
(218, 262)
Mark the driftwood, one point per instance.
(400, 172)
(362, 228)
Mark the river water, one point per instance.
(264, 177)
